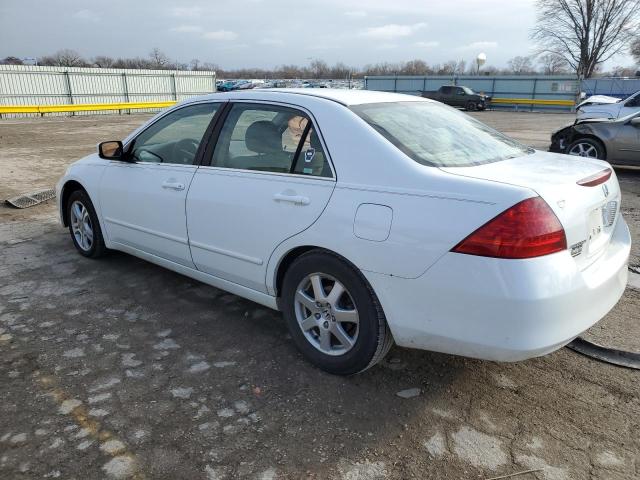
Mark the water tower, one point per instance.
(481, 60)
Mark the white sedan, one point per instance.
(367, 218)
(603, 106)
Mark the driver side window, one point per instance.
(174, 138)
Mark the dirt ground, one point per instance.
(119, 369)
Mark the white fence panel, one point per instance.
(35, 85)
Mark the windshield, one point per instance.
(468, 91)
(437, 135)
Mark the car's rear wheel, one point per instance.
(333, 315)
(587, 147)
(471, 106)
(84, 226)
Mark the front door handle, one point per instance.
(296, 199)
(173, 185)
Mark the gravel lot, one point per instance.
(119, 369)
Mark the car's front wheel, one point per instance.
(471, 106)
(84, 226)
(333, 315)
(587, 147)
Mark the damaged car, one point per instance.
(617, 141)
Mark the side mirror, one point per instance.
(112, 150)
(635, 122)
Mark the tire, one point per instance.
(471, 106)
(354, 322)
(587, 147)
(84, 227)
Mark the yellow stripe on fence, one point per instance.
(94, 107)
(534, 101)
(82, 107)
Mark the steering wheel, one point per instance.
(184, 151)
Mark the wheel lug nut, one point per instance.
(317, 315)
(326, 324)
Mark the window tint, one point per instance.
(438, 135)
(269, 138)
(175, 138)
(633, 102)
(446, 90)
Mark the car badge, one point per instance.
(605, 190)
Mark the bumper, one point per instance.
(560, 142)
(503, 310)
(59, 186)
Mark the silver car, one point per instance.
(617, 141)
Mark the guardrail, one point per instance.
(90, 107)
(533, 101)
(82, 107)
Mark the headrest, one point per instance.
(263, 137)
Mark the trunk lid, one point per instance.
(587, 213)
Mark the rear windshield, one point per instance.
(437, 135)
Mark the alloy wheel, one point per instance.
(326, 314)
(584, 149)
(81, 226)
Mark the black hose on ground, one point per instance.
(606, 354)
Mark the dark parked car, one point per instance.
(457, 96)
(617, 141)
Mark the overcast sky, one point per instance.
(266, 33)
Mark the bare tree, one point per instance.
(620, 71)
(102, 61)
(586, 33)
(319, 68)
(158, 59)
(211, 67)
(521, 65)
(635, 50)
(64, 58)
(553, 64)
(11, 61)
(416, 67)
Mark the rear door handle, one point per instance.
(173, 185)
(296, 199)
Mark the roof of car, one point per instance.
(343, 96)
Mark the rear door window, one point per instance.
(270, 138)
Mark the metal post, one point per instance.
(69, 91)
(173, 86)
(395, 84)
(493, 89)
(125, 89)
(533, 96)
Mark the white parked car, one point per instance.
(603, 106)
(366, 218)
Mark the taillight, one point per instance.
(526, 230)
